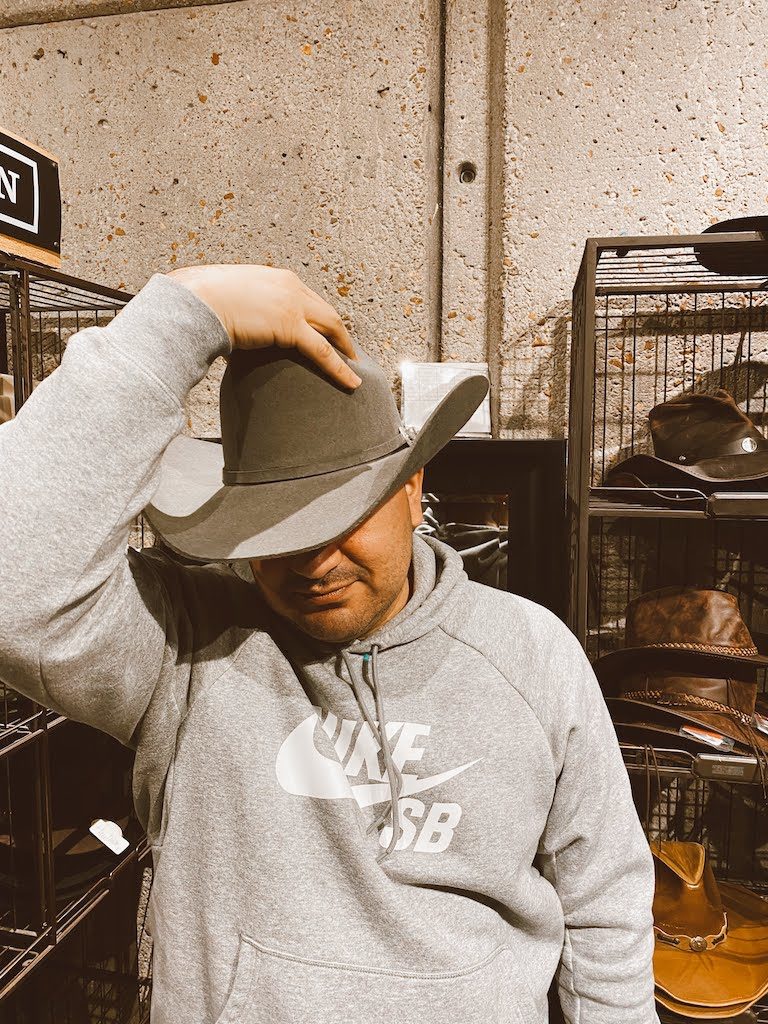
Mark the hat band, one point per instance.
(693, 943)
(712, 451)
(279, 474)
(667, 699)
(731, 652)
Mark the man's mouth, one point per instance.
(322, 597)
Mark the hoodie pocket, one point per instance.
(274, 987)
(234, 1012)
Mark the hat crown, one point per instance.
(282, 418)
(687, 900)
(692, 427)
(686, 618)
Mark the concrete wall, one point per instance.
(330, 138)
(619, 119)
(257, 132)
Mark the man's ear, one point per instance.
(413, 491)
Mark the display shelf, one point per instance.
(27, 729)
(644, 502)
(658, 264)
(53, 874)
(652, 323)
(729, 768)
(676, 503)
(22, 951)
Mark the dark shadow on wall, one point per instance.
(718, 348)
(550, 337)
(41, 12)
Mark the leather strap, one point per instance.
(718, 451)
(693, 943)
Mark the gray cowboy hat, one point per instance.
(302, 462)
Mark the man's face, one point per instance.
(358, 582)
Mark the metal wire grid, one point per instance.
(94, 977)
(628, 557)
(650, 348)
(729, 820)
(56, 292)
(665, 264)
(39, 311)
(651, 322)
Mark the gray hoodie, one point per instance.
(258, 778)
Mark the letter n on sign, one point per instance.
(30, 201)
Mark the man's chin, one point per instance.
(332, 625)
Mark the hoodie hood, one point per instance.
(438, 572)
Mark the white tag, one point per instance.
(714, 739)
(761, 722)
(425, 385)
(110, 834)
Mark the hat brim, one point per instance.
(668, 719)
(201, 518)
(686, 1012)
(643, 733)
(727, 469)
(731, 975)
(612, 665)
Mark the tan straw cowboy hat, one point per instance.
(711, 954)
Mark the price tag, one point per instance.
(714, 739)
(110, 834)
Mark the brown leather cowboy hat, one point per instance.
(659, 705)
(702, 441)
(689, 658)
(302, 462)
(638, 727)
(711, 953)
(691, 620)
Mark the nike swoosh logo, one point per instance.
(303, 771)
(376, 792)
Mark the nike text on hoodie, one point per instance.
(519, 853)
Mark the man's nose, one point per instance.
(313, 565)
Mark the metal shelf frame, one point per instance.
(40, 309)
(649, 320)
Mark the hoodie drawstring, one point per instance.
(379, 731)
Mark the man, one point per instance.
(375, 791)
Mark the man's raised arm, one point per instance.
(85, 621)
(78, 463)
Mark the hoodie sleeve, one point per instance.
(86, 624)
(596, 855)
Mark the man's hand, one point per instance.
(263, 306)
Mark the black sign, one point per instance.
(30, 201)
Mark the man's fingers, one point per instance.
(314, 346)
(324, 318)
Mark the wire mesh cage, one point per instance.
(651, 321)
(56, 776)
(654, 319)
(40, 310)
(93, 975)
